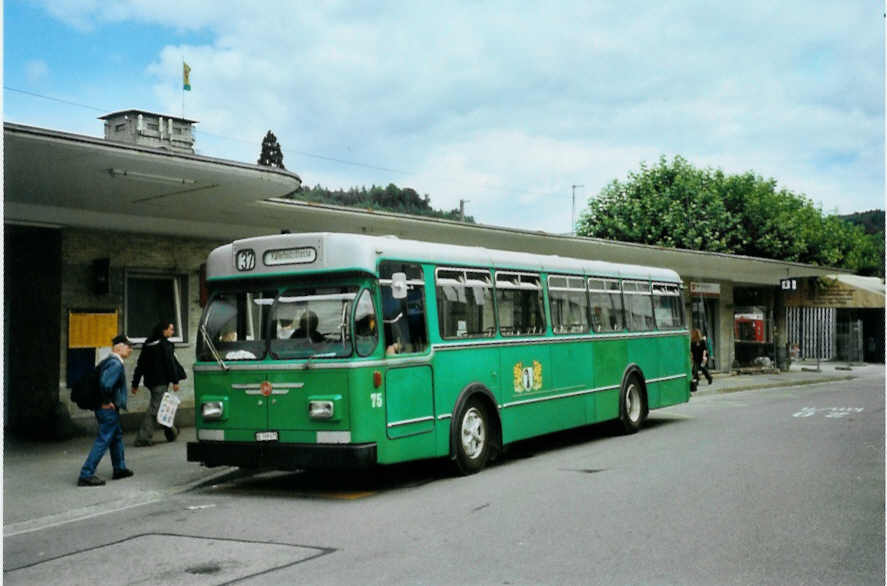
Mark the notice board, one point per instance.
(91, 330)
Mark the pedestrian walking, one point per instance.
(158, 365)
(699, 352)
(112, 388)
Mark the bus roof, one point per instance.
(293, 254)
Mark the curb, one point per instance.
(144, 498)
(753, 387)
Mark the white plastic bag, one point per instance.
(166, 413)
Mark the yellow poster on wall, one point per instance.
(91, 330)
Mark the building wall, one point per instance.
(724, 347)
(31, 328)
(727, 342)
(126, 251)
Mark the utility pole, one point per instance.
(573, 212)
(462, 203)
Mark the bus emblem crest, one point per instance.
(245, 260)
(527, 378)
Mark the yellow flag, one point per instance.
(186, 77)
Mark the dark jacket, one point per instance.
(112, 381)
(698, 350)
(157, 363)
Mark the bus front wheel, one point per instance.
(472, 439)
(632, 405)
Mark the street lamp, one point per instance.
(573, 212)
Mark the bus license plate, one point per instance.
(266, 436)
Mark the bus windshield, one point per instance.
(312, 322)
(233, 326)
(299, 322)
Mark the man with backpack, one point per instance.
(112, 392)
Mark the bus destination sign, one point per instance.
(290, 256)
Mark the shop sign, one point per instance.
(705, 289)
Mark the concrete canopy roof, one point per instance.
(59, 179)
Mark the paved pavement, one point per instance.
(40, 479)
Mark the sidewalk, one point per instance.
(40, 479)
(799, 374)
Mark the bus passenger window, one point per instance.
(605, 299)
(569, 307)
(519, 299)
(667, 306)
(638, 306)
(403, 320)
(465, 303)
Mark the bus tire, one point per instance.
(473, 437)
(632, 404)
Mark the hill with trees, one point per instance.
(677, 205)
(390, 199)
(871, 221)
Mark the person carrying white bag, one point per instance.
(158, 365)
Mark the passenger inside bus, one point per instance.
(308, 328)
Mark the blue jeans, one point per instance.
(110, 436)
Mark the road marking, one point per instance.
(828, 412)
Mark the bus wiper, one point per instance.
(316, 355)
(212, 347)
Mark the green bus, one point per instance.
(327, 350)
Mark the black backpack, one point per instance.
(86, 393)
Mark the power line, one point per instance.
(289, 151)
(51, 99)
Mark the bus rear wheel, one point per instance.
(472, 437)
(632, 405)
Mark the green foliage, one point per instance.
(390, 199)
(674, 204)
(871, 221)
(272, 155)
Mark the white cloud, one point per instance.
(509, 105)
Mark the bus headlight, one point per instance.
(320, 409)
(211, 410)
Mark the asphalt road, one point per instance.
(777, 486)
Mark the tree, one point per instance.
(391, 198)
(271, 155)
(676, 205)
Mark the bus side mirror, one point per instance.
(399, 285)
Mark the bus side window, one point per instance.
(519, 300)
(403, 320)
(366, 335)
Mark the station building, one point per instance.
(107, 235)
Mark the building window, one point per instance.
(153, 297)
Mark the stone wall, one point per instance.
(173, 254)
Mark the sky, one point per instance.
(505, 104)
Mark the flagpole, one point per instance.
(183, 88)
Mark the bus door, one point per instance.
(409, 404)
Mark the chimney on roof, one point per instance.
(150, 130)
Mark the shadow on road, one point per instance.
(354, 484)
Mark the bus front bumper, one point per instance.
(282, 456)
